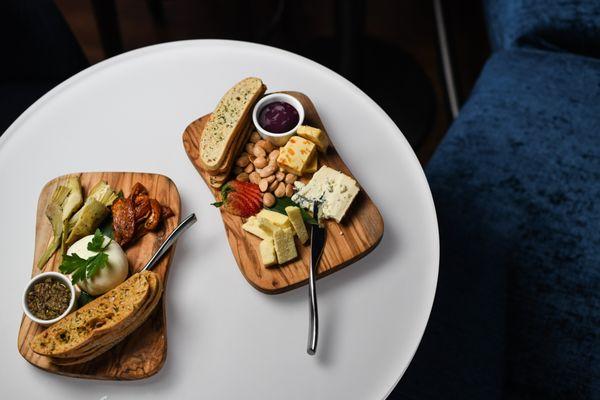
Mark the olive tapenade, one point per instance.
(48, 298)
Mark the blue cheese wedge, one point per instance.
(333, 189)
(285, 248)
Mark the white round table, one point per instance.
(226, 339)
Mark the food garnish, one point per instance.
(48, 298)
(243, 199)
(137, 215)
(65, 200)
(80, 268)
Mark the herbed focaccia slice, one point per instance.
(227, 121)
(109, 341)
(102, 314)
(115, 333)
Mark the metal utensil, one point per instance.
(170, 240)
(317, 243)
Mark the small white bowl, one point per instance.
(62, 278)
(278, 139)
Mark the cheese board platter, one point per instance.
(89, 311)
(267, 159)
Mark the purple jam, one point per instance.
(278, 117)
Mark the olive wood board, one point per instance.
(358, 234)
(142, 353)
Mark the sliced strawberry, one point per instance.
(240, 198)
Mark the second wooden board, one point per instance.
(142, 353)
(358, 234)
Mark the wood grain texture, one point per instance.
(142, 353)
(357, 235)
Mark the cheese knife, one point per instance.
(317, 243)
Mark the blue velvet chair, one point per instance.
(516, 183)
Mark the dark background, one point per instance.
(397, 62)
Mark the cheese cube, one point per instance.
(267, 252)
(277, 219)
(315, 135)
(285, 248)
(295, 216)
(296, 154)
(251, 225)
(311, 166)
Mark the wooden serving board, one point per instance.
(142, 353)
(360, 231)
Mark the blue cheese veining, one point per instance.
(334, 190)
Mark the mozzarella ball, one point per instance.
(108, 277)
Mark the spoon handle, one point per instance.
(170, 240)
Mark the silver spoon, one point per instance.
(170, 240)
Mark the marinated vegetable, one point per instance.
(90, 216)
(137, 215)
(65, 201)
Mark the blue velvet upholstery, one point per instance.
(516, 183)
(566, 25)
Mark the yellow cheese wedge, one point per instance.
(315, 135)
(312, 166)
(296, 154)
(277, 219)
(297, 223)
(267, 252)
(285, 248)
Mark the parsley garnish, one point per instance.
(80, 268)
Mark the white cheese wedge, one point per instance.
(295, 216)
(285, 248)
(277, 219)
(267, 252)
(334, 190)
(252, 226)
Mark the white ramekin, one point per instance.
(62, 278)
(278, 139)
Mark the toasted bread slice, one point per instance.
(227, 121)
(107, 342)
(96, 318)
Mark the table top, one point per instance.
(226, 339)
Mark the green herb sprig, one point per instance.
(81, 268)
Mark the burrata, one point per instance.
(107, 277)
